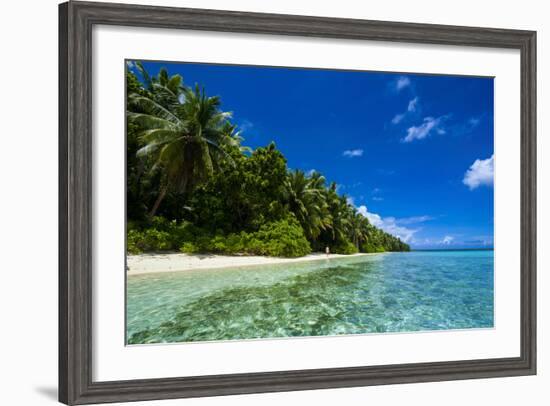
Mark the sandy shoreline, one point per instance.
(175, 262)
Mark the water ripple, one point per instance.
(384, 293)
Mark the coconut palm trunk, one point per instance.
(160, 197)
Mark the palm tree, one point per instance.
(317, 184)
(232, 132)
(306, 200)
(357, 228)
(161, 82)
(337, 208)
(181, 129)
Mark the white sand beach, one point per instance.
(172, 262)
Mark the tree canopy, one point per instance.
(193, 186)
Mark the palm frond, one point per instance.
(149, 149)
(151, 107)
(144, 74)
(175, 84)
(148, 121)
(160, 135)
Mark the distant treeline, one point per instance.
(192, 185)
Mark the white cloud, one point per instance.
(414, 219)
(130, 64)
(412, 105)
(455, 241)
(362, 210)
(411, 108)
(431, 242)
(480, 173)
(376, 194)
(474, 121)
(246, 125)
(423, 130)
(350, 200)
(402, 82)
(388, 224)
(465, 127)
(351, 153)
(398, 118)
(480, 240)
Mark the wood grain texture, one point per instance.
(76, 20)
(63, 247)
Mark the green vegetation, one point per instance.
(192, 186)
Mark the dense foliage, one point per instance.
(193, 187)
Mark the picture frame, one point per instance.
(76, 352)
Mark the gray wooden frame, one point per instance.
(76, 20)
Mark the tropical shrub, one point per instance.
(189, 248)
(345, 247)
(159, 234)
(370, 248)
(133, 242)
(155, 240)
(284, 238)
(148, 240)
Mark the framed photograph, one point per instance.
(259, 202)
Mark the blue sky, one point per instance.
(414, 153)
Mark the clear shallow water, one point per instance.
(396, 292)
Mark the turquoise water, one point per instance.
(394, 292)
